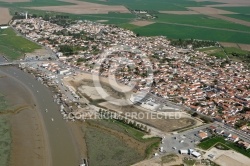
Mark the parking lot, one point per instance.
(183, 141)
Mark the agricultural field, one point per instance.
(155, 5)
(189, 18)
(244, 17)
(5, 16)
(34, 3)
(241, 9)
(118, 144)
(15, 46)
(200, 20)
(187, 32)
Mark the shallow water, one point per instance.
(62, 147)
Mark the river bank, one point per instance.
(37, 140)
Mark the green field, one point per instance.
(155, 5)
(210, 142)
(220, 52)
(241, 10)
(244, 17)
(170, 25)
(199, 20)
(111, 150)
(14, 46)
(187, 32)
(35, 3)
(3, 103)
(5, 140)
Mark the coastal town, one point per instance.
(162, 77)
(215, 87)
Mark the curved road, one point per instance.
(63, 150)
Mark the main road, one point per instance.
(62, 147)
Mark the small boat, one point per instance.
(52, 119)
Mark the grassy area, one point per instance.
(186, 32)
(200, 20)
(168, 158)
(221, 146)
(126, 129)
(230, 51)
(14, 46)
(5, 140)
(189, 162)
(155, 5)
(241, 10)
(106, 149)
(111, 150)
(210, 142)
(3, 104)
(35, 3)
(244, 17)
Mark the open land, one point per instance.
(84, 85)
(141, 23)
(118, 143)
(11, 1)
(167, 160)
(228, 157)
(14, 46)
(211, 142)
(81, 7)
(5, 16)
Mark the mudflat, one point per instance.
(28, 142)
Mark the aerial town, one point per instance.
(162, 78)
(215, 87)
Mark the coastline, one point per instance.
(59, 140)
(27, 126)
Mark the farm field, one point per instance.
(244, 17)
(118, 144)
(156, 5)
(241, 9)
(5, 16)
(200, 20)
(14, 46)
(187, 32)
(185, 14)
(34, 3)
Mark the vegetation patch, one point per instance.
(119, 144)
(189, 161)
(3, 103)
(110, 150)
(15, 46)
(5, 140)
(212, 141)
(221, 146)
(168, 158)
